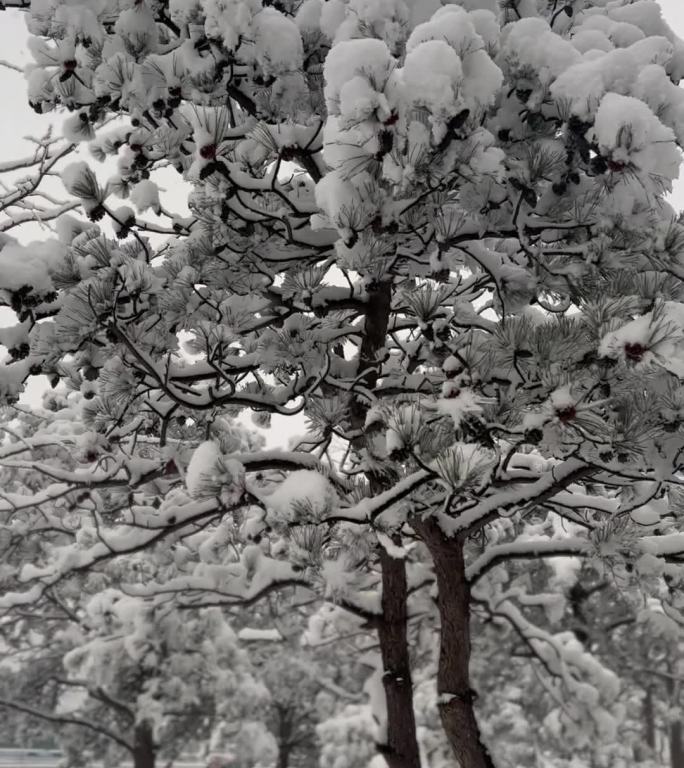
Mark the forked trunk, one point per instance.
(456, 697)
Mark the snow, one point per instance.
(278, 43)
(645, 15)
(230, 19)
(71, 701)
(203, 465)
(332, 16)
(658, 622)
(138, 28)
(348, 204)
(371, 508)
(668, 544)
(431, 76)
(30, 265)
(452, 25)
(482, 80)
(566, 570)
(184, 11)
(457, 402)
(530, 43)
(562, 398)
(392, 549)
(628, 132)
(375, 415)
(347, 738)
(378, 703)
(308, 16)
(584, 84)
(591, 40)
(251, 634)
(487, 26)
(646, 515)
(367, 59)
(665, 99)
(358, 101)
(512, 495)
(393, 441)
(386, 18)
(650, 565)
(622, 34)
(145, 195)
(302, 487)
(657, 336)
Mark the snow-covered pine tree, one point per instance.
(123, 678)
(113, 674)
(438, 232)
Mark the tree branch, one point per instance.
(64, 720)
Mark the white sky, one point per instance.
(18, 120)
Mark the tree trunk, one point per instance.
(401, 748)
(284, 715)
(649, 720)
(456, 697)
(283, 756)
(675, 727)
(144, 748)
(676, 747)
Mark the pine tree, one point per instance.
(441, 235)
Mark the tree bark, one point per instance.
(283, 756)
(456, 697)
(649, 720)
(401, 747)
(284, 715)
(675, 727)
(676, 747)
(144, 748)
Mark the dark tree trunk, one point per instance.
(649, 719)
(676, 747)
(144, 748)
(284, 715)
(675, 728)
(401, 747)
(456, 697)
(283, 756)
